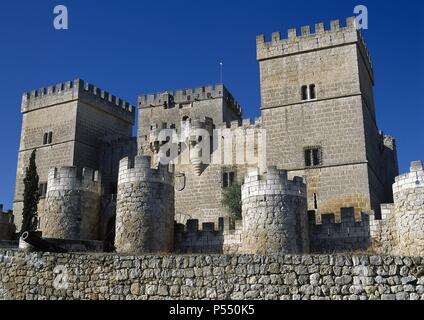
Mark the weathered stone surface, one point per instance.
(42, 276)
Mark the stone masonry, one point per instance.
(38, 276)
(274, 213)
(72, 205)
(401, 229)
(145, 208)
(317, 93)
(7, 227)
(318, 122)
(79, 116)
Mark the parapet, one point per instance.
(170, 99)
(139, 169)
(77, 90)
(308, 40)
(347, 217)
(73, 178)
(224, 238)
(6, 217)
(348, 234)
(271, 181)
(411, 180)
(244, 124)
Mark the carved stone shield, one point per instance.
(180, 181)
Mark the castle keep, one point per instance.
(316, 173)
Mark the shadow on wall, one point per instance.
(348, 235)
(225, 239)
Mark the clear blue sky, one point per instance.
(132, 47)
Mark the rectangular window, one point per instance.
(45, 138)
(228, 179)
(50, 137)
(308, 158)
(42, 189)
(225, 180)
(313, 157)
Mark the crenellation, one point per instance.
(308, 40)
(73, 91)
(7, 225)
(401, 227)
(210, 238)
(335, 25)
(327, 167)
(169, 99)
(65, 217)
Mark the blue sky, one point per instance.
(135, 47)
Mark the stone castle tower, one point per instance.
(401, 229)
(318, 122)
(72, 204)
(145, 207)
(319, 112)
(274, 208)
(66, 124)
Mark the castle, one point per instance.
(316, 172)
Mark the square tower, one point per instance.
(66, 124)
(318, 109)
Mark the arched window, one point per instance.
(312, 92)
(304, 92)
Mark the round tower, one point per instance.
(408, 194)
(274, 213)
(72, 205)
(145, 208)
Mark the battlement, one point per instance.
(307, 40)
(347, 217)
(411, 180)
(6, 217)
(74, 90)
(139, 169)
(346, 234)
(201, 123)
(73, 178)
(244, 124)
(226, 237)
(169, 99)
(270, 182)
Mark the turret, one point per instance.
(72, 205)
(145, 207)
(274, 213)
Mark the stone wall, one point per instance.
(72, 205)
(401, 227)
(169, 108)
(224, 238)
(144, 208)
(274, 213)
(344, 234)
(340, 120)
(79, 115)
(7, 227)
(38, 276)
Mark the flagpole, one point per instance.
(220, 70)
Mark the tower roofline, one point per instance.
(307, 40)
(189, 95)
(77, 90)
